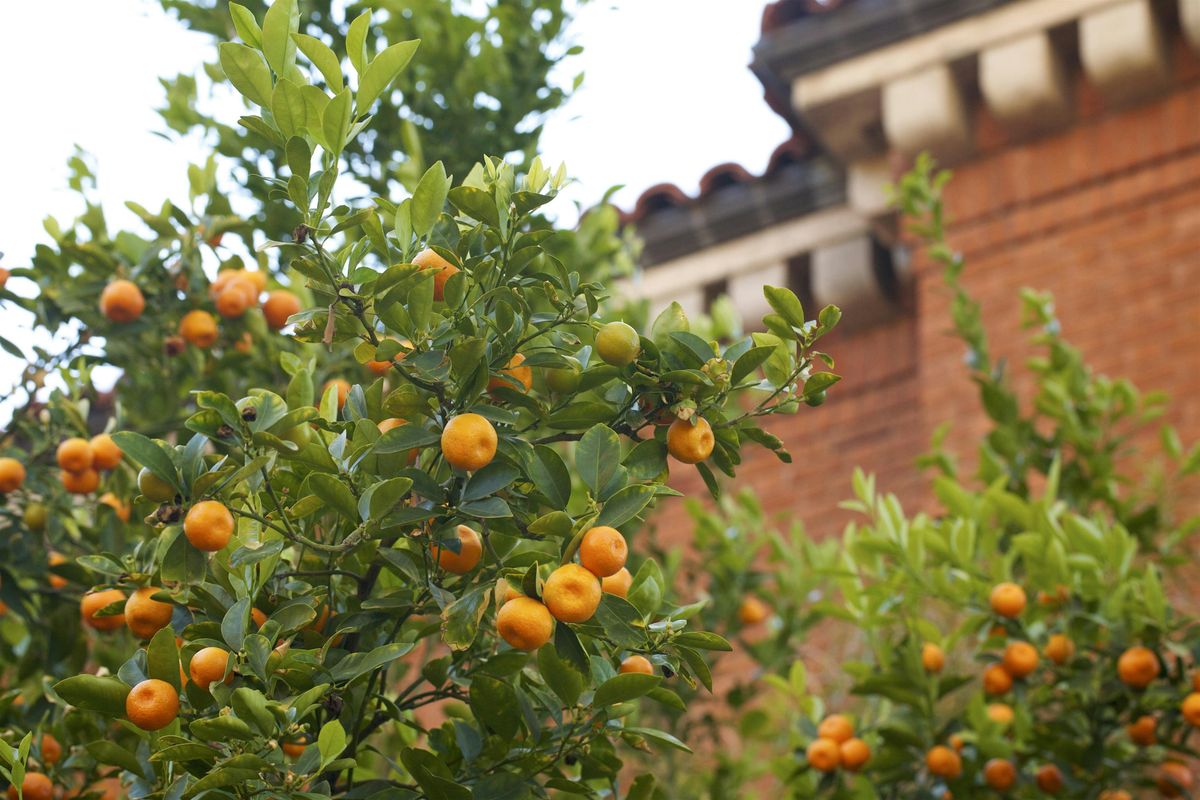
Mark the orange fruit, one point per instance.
(524, 623)
(1174, 779)
(1008, 600)
(1049, 779)
(522, 375)
(199, 328)
(152, 704)
(603, 551)
(1190, 708)
(12, 475)
(1115, 794)
(1196, 681)
(505, 591)
(617, 583)
(1137, 667)
(428, 259)
(469, 442)
(932, 657)
(208, 526)
(122, 301)
(94, 601)
(75, 455)
(854, 754)
(823, 755)
(470, 552)
(752, 610)
(956, 742)
(84, 482)
(51, 750)
(221, 281)
(618, 344)
(572, 593)
(105, 453)
(1059, 649)
(55, 558)
(996, 680)
(119, 508)
(943, 762)
(1020, 659)
(210, 664)
(836, 727)
(1142, 730)
(146, 616)
(293, 749)
(1000, 713)
(35, 786)
(257, 279)
(235, 299)
(4, 273)
(343, 390)
(1000, 774)
(690, 443)
(390, 423)
(636, 664)
(280, 305)
(258, 616)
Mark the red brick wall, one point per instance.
(1105, 214)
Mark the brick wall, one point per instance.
(1105, 214)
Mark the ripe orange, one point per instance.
(210, 664)
(956, 742)
(469, 442)
(257, 279)
(1059, 649)
(280, 305)
(836, 727)
(1174, 780)
(1137, 667)
(235, 299)
(572, 593)
(51, 750)
(1008, 600)
(823, 755)
(208, 526)
(12, 475)
(1115, 794)
(293, 749)
(943, 762)
(932, 657)
(1049, 779)
(524, 623)
(428, 259)
(122, 301)
(1000, 713)
(199, 328)
(152, 704)
(55, 558)
(1190, 708)
(637, 664)
(854, 754)
(94, 601)
(75, 455)
(690, 443)
(618, 583)
(119, 508)
(390, 423)
(752, 610)
(1020, 659)
(84, 482)
(154, 488)
(1196, 681)
(1142, 730)
(145, 615)
(105, 453)
(522, 375)
(4, 273)
(1000, 774)
(258, 616)
(470, 552)
(35, 786)
(618, 344)
(996, 680)
(603, 551)
(505, 591)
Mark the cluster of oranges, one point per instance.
(837, 746)
(81, 461)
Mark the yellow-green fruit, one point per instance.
(154, 488)
(618, 344)
(35, 517)
(564, 380)
(299, 434)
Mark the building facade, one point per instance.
(1073, 130)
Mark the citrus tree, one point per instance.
(297, 583)
(1019, 642)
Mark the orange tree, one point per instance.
(412, 586)
(1018, 643)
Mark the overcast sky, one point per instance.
(667, 95)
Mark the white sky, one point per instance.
(667, 95)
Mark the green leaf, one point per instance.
(356, 41)
(749, 361)
(494, 703)
(429, 198)
(489, 480)
(150, 454)
(90, 693)
(625, 505)
(291, 117)
(560, 675)
(405, 437)
(659, 737)
(322, 58)
(549, 474)
(331, 741)
(108, 752)
(382, 71)
(702, 640)
(335, 493)
(251, 705)
(233, 624)
(475, 203)
(625, 687)
(460, 619)
(335, 121)
(281, 21)
(786, 304)
(246, 25)
(162, 657)
(501, 786)
(597, 457)
(246, 70)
